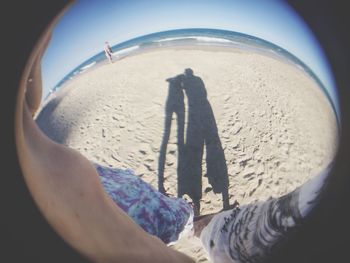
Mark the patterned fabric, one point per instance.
(252, 232)
(159, 215)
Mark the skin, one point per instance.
(66, 188)
(200, 224)
(202, 221)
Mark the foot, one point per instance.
(229, 207)
(201, 223)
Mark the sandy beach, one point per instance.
(276, 127)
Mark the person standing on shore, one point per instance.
(108, 52)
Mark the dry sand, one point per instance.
(276, 126)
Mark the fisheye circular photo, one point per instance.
(178, 131)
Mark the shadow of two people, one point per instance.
(201, 131)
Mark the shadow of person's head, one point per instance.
(175, 80)
(188, 72)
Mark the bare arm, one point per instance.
(66, 188)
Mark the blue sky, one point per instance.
(83, 29)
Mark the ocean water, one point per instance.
(194, 37)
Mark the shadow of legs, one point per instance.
(162, 153)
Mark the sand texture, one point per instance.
(276, 127)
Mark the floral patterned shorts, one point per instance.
(165, 217)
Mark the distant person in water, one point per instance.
(108, 52)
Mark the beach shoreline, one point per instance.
(212, 47)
